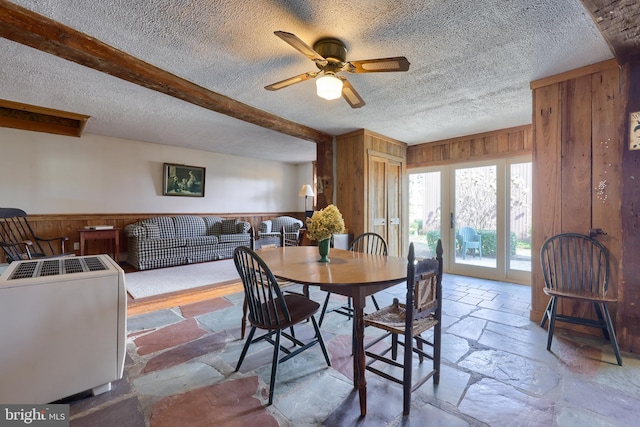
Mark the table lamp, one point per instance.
(306, 191)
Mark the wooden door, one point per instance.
(385, 200)
(377, 196)
(394, 207)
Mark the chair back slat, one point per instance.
(267, 307)
(575, 263)
(14, 228)
(424, 285)
(369, 243)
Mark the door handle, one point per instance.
(451, 221)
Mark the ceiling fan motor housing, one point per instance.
(333, 50)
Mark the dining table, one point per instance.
(349, 273)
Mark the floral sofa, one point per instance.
(166, 241)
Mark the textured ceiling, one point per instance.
(471, 64)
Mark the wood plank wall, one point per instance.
(629, 291)
(352, 161)
(56, 225)
(577, 156)
(503, 143)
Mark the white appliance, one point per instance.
(62, 328)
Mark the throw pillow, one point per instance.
(229, 226)
(153, 231)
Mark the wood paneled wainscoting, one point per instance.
(55, 225)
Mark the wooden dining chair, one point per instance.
(576, 267)
(369, 243)
(274, 312)
(405, 323)
(284, 241)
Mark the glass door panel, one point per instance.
(475, 216)
(519, 243)
(425, 212)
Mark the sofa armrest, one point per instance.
(135, 230)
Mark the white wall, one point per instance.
(50, 174)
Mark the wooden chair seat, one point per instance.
(582, 295)
(300, 309)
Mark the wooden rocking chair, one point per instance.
(19, 241)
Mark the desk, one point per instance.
(112, 234)
(352, 274)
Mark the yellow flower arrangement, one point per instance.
(324, 223)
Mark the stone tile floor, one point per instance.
(495, 372)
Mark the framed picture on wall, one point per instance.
(183, 180)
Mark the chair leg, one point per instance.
(243, 323)
(552, 321)
(245, 348)
(394, 346)
(612, 333)
(274, 366)
(603, 325)
(437, 351)
(320, 340)
(545, 316)
(420, 347)
(375, 303)
(407, 371)
(324, 308)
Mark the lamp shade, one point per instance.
(306, 190)
(329, 87)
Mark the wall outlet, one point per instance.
(76, 246)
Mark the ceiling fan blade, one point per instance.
(291, 81)
(398, 63)
(350, 95)
(300, 46)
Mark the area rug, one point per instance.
(141, 284)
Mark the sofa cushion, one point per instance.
(229, 226)
(154, 245)
(213, 225)
(232, 238)
(201, 241)
(165, 224)
(265, 226)
(189, 226)
(152, 231)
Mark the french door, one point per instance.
(482, 213)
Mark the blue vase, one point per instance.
(323, 248)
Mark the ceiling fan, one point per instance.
(330, 57)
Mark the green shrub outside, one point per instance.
(489, 244)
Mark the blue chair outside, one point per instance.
(470, 239)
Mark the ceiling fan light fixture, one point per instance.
(329, 87)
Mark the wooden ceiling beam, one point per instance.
(619, 23)
(39, 32)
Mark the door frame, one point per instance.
(501, 272)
